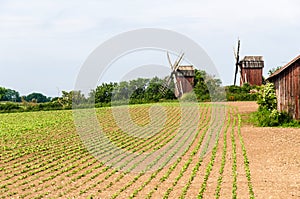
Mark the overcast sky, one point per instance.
(43, 44)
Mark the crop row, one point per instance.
(45, 157)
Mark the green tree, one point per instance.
(200, 86)
(11, 95)
(215, 89)
(155, 86)
(2, 93)
(72, 97)
(273, 70)
(152, 92)
(77, 97)
(121, 91)
(207, 87)
(103, 93)
(137, 90)
(38, 97)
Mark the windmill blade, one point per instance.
(169, 79)
(234, 52)
(238, 51)
(169, 60)
(242, 78)
(164, 87)
(246, 78)
(236, 67)
(176, 91)
(179, 60)
(176, 65)
(174, 68)
(237, 58)
(235, 73)
(181, 89)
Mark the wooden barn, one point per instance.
(287, 84)
(185, 76)
(251, 68)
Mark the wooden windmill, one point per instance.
(182, 76)
(250, 68)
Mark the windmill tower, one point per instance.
(250, 67)
(182, 76)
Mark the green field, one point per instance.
(42, 155)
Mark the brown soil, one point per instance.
(274, 155)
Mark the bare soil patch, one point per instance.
(274, 155)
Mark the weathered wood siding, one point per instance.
(187, 83)
(252, 75)
(287, 85)
(251, 70)
(185, 79)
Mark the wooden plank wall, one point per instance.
(297, 89)
(254, 76)
(287, 85)
(187, 83)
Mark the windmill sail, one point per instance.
(173, 76)
(237, 58)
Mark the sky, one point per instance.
(43, 44)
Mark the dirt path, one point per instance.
(274, 155)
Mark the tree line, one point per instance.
(11, 95)
(137, 91)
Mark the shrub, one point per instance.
(189, 97)
(9, 107)
(267, 114)
(267, 97)
(265, 117)
(237, 93)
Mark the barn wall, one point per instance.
(287, 86)
(253, 75)
(297, 89)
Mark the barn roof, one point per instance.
(284, 67)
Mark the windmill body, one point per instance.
(251, 68)
(185, 79)
(182, 76)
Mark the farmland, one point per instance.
(42, 155)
